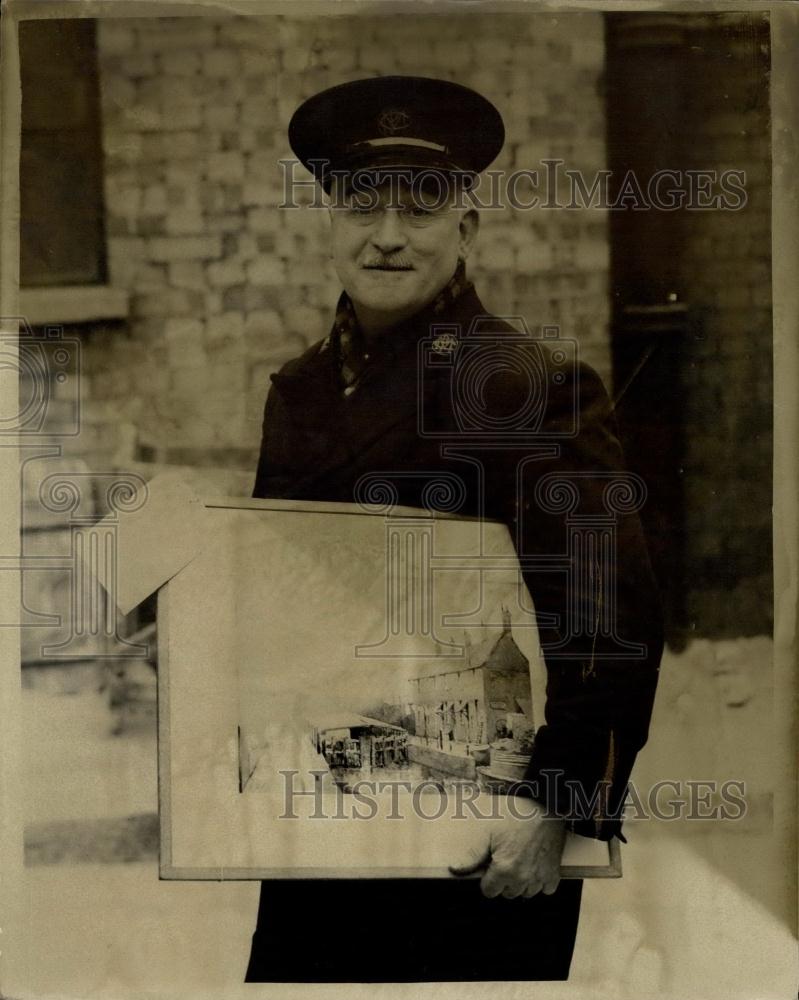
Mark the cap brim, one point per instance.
(451, 128)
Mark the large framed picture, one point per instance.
(344, 691)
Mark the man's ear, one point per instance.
(330, 201)
(467, 230)
(332, 195)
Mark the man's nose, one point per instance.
(389, 235)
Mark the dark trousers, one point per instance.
(409, 930)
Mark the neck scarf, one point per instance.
(349, 346)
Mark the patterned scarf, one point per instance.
(349, 345)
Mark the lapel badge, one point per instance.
(445, 343)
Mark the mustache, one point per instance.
(397, 263)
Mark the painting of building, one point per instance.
(485, 696)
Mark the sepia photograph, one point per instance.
(399, 449)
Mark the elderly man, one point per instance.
(381, 395)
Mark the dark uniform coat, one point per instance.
(319, 444)
(410, 421)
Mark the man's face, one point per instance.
(395, 246)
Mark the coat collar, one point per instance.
(319, 364)
(384, 412)
(386, 403)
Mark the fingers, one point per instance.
(515, 889)
(519, 861)
(498, 881)
(501, 882)
(494, 882)
(476, 864)
(551, 885)
(532, 890)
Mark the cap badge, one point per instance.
(393, 120)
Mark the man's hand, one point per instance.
(522, 857)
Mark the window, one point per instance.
(62, 239)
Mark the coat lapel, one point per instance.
(378, 427)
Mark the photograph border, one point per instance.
(785, 253)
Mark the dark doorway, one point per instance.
(688, 150)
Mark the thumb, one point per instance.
(479, 861)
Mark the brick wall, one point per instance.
(224, 286)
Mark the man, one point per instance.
(381, 395)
